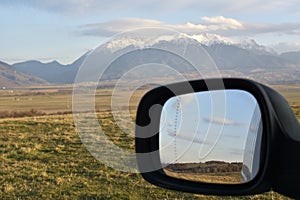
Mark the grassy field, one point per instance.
(43, 99)
(42, 157)
(59, 98)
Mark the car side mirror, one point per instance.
(211, 144)
(218, 137)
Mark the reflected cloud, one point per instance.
(232, 136)
(222, 121)
(238, 152)
(187, 137)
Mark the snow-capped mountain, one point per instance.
(238, 56)
(211, 39)
(205, 39)
(252, 45)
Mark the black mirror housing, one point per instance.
(279, 145)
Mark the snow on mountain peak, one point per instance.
(206, 39)
(142, 41)
(211, 39)
(250, 44)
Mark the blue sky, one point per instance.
(63, 30)
(211, 130)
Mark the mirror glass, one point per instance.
(211, 137)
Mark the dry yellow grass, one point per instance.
(42, 157)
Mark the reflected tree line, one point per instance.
(207, 167)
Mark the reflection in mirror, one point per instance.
(211, 136)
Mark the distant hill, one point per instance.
(9, 77)
(292, 56)
(53, 72)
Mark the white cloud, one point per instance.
(117, 26)
(225, 23)
(72, 7)
(217, 25)
(212, 6)
(213, 24)
(286, 47)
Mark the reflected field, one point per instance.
(208, 172)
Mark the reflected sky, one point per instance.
(205, 126)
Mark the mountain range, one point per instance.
(52, 72)
(232, 57)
